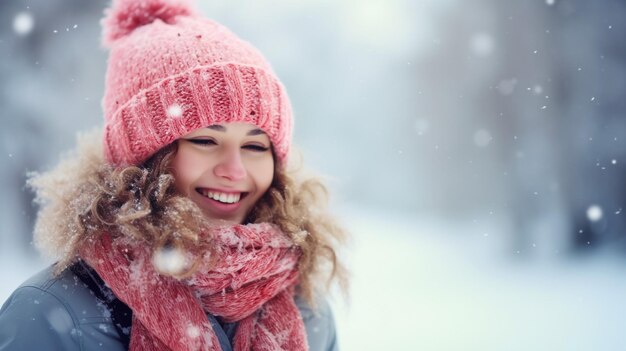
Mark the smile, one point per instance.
(227, 198)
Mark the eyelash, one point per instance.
(257, 148)
(202, 142)
(207, 142)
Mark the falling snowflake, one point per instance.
(193, 331)
(23, 23)
(57, 320)
(594, 213)
(174, 111)
(169, 260)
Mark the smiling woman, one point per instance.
(184, 202)
(224, 169)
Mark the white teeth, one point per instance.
(222, 197)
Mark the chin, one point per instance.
(222, 220)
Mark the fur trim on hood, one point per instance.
(64, 193)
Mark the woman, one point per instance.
(179, 227)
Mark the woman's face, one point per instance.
(224, 169)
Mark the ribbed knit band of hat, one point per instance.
(171, 71)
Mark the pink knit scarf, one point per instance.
(251, 282)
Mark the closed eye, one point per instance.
(202, 142)
(257, 148)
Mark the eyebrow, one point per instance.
(221, 128)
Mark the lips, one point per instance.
(211, 203)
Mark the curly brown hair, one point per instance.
(84, 196)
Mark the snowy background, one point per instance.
(476, 151)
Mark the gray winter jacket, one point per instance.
(62, 313)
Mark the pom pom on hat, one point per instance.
(125, 16)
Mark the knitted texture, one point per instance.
(171, 71)
(251, 281)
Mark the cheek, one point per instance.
(264, 175)
(184, 172)
(267, 180)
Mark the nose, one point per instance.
(230, 166)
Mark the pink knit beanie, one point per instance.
(171, 71)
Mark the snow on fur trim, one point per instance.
(124, 16)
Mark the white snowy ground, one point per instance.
(431, 284)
